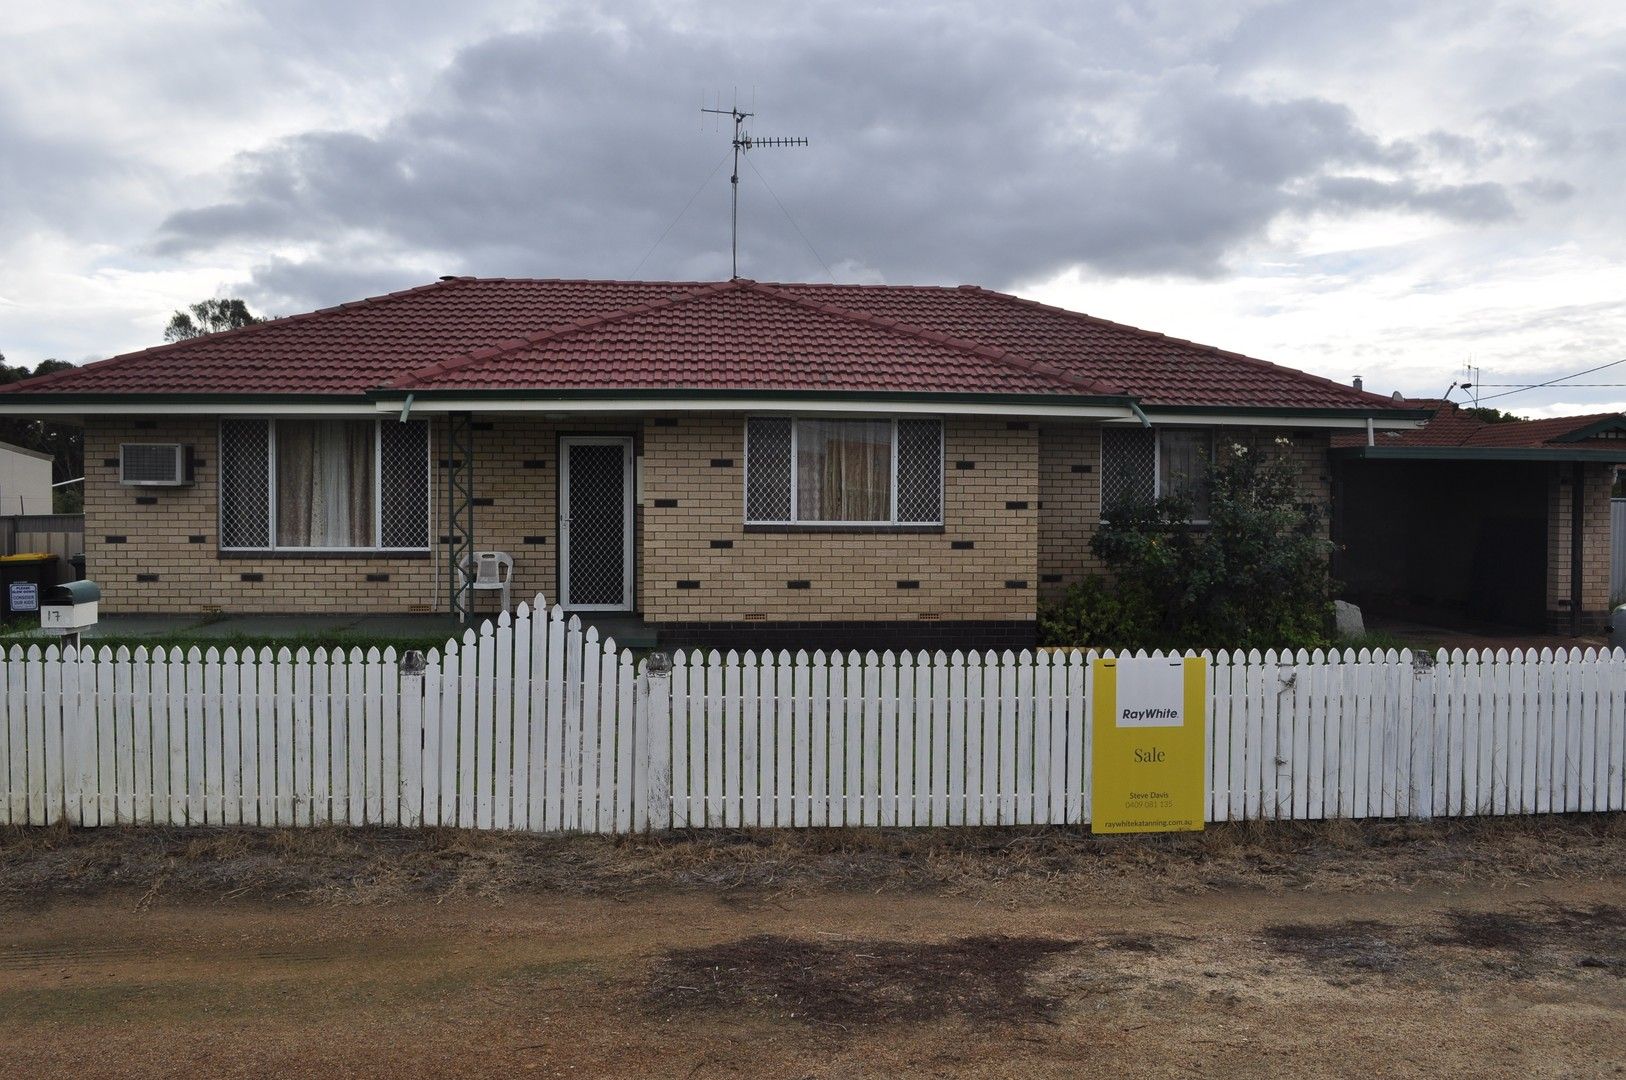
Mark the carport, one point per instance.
(1464, 522)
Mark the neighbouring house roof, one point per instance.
(498, 337)
(1453, 432)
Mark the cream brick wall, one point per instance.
(168, 560)
(1070, 492)
(849, 575)
(1597, 479)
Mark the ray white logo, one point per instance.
(1151, 694)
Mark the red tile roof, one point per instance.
(501, 334)
(1454, 426)
(744, 336)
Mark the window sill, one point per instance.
(342, 554)
(845, 529)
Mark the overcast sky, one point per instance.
(1384, 189)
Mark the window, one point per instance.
(333, 485)
(843, 472)
(1142, 464)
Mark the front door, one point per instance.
(595, 523)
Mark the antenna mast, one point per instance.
(743, 141)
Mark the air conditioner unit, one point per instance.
(155, 464)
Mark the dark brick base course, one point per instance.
(912, 634)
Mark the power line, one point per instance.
(792, 220)
(1551, 382)
(679, 217)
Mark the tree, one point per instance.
(1490, 415)
(64, 442)
(209, 317)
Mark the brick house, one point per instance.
(1505, 523)
(730, 462)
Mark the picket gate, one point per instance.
(533, 723)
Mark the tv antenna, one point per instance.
(743, 141)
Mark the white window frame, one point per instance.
(378, 489)
(1157, 460)
(795, 445)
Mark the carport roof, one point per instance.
(1455, 434)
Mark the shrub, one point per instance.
(1093, 613)
(1255, 576)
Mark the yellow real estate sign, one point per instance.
(1148, 720)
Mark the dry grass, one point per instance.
(344, 865)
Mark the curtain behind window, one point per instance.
(844, 470)
(325, 483)
(1182, 462)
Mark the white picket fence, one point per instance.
(538, 725)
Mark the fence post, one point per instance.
(1422, 736)
(654, 725)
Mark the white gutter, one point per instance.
(23, 407)
(800, 406)
(1244, 420)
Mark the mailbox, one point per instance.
(70, 607)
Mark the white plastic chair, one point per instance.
(493, 570)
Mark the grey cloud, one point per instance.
(1482, 202)
(988, 149)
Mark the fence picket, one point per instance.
(409, 789)
(603, 734)
(750, 735)
(484, 711)
(783, 741)
(468, 737)
(631, 753)
(525, 633)
(976, 710)
(502, 743)
(888, 736)
(802, 743)
(303, 736)
(819, 742)
(683, 785)
(715, 749)
(427, 795)
(450, 751)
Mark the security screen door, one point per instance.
(595, 523)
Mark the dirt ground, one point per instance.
(1470, 949)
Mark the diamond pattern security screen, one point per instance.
(403, 484)
(843, 472)
(324, 484)
(767, 473)
(920, 471)
(597, 568)
(1128, 466)
(245, 483)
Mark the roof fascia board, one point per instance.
(125, 404)
(923, 404)
(1476, 453)
(1328, 418)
